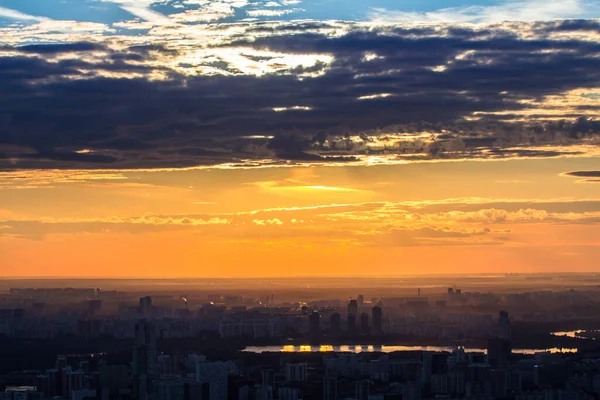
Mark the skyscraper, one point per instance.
(377, 317)
(352, 323)
(215, 375)
(314, 321)
(364, 324)
(504, 326)
(145, 307)
(362, 389)
(335, 321)
(330, 388)
(500, 347)
(353, 307)
(144, 359)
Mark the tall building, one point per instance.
(504, 326)
(362, 389)
(377, 316)
(314, 321)
(360, 300)
(268, 377)
(330, 388)
(364, 324)
(335, 321)
(170, 387)
(145, 307)
(144, 359)
(286, 393)
(352, 323)
(215, 375)
(94, 307)
(295, 372)
(353, 307)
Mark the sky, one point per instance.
(264, 138)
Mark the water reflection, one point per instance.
(570, 334)
(383, 349)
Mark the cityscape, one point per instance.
(299, 199)
(424, 343)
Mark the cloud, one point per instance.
(198, 94)
(515, 10)
(19, 16)
(584, 174)
(406, 237)
(141, 9)
(590, 176)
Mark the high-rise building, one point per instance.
(268, 377)
(364, 324)
(314, 322)
(170, 387)
(287, 393)
(145, 307)
(335, 321)
(352, 323)
(353, 307)
(144, 359)
(377, 316)
(499, 351)
(94, 307)
(215, 375)
(360, 300)
(330, 388)
(504, 326)
(362, 389)
(295, 372)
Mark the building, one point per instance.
(21, 393)
(268, 377)
(362, 388)
(215, 375)
(170, 387)
(352, 323)
(286, 393)
(360, 300)
(353, 307)
(145, 308)
(314, 322)
(335, 322)
(364, 324)
(94, 307)
(144, 359)
(295, 372)
(377, 316)
(330, 387)
(504, 326)
(499, 351)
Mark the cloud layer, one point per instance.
(187, 91)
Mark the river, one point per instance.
(381, 349)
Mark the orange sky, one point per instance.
(471, 216)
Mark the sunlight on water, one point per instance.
(384, 349)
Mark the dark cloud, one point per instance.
(585, 174)
(60, 48)
(114, 105)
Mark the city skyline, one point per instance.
(298, 138)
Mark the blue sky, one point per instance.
(112, 11)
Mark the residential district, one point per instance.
(65, 343)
